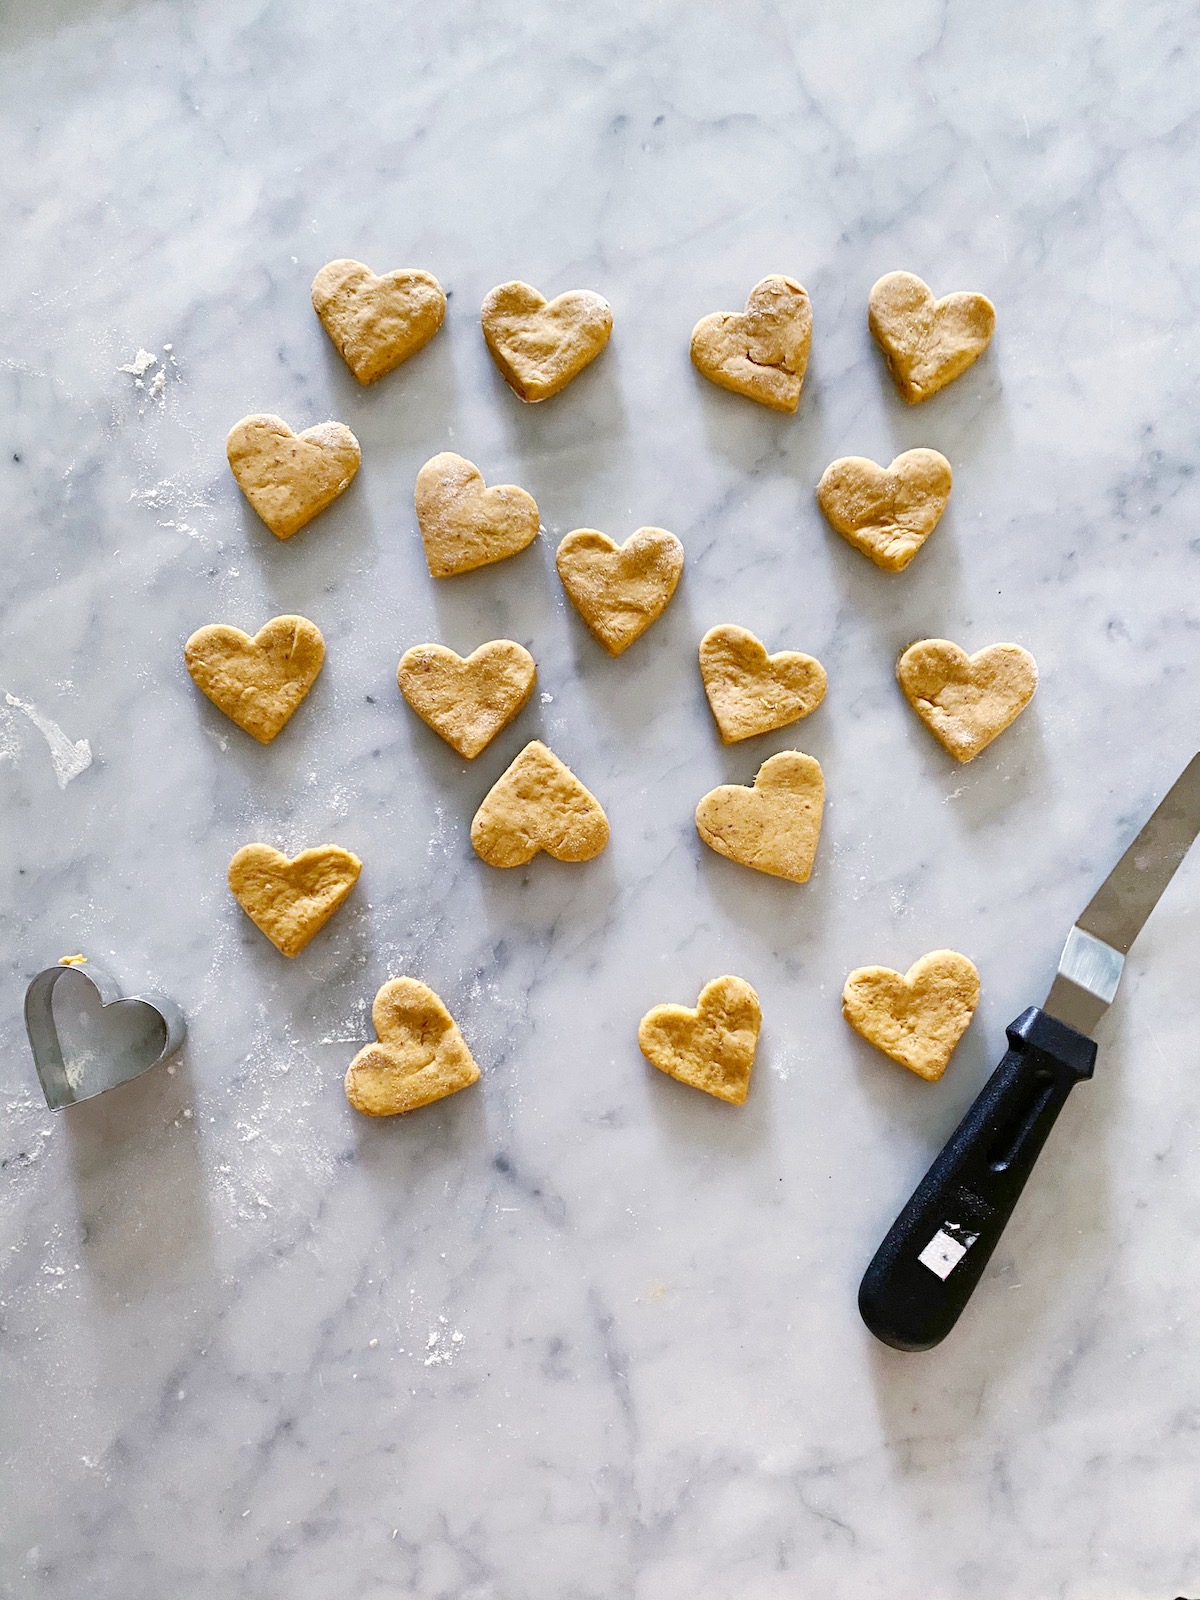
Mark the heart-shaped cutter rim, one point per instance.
(47, 1049)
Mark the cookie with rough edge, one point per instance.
(927, 343)
(377, 322)
(539, 344)
(464, 523)
(538, 804)
(751, 692)
(886, 512)
(290, 477)
(761, 352)
(467, 700)
(292, 899)
(774, 825)
(965, 701)
(916, 1017)
(619, 589)
(420, 1055)
(711, 1048)
(257, 682)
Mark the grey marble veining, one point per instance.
(579, 1333)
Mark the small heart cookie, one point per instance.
(376, 323)
(619, 589)
(289, 477)
(711, 1048)
(751, 692)
(927, 342)
(965, 701)
(292, 900)
(420, 1055)
(465, 524)
(467, 700)
(919, 1017)
(539, 344)
(886, 512)
(538, 804)
(774, 826)
(761, 352)
(257, 682)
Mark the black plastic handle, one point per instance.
(923, 1273)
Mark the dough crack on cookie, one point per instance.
(539, 345)
(538, 804)
(761, 352)
(377, 322)
(966, 701)
(257, 682)
(751, 692)
(619, 589)
(711, 1048)
(291, 900)
(927, 343)
(918, 1017)
(290, 477)
(464, 523)
(467, 701)
(420, 1055)
(886, 512)
(773, 826)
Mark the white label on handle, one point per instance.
(943, 1252)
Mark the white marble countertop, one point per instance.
(580, 1333)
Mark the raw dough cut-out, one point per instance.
(761, 352)
(711, 1048)
(465, 524)
(289, 477)
(291, 900)
(467, 700)
(420, 1055)
(377, 322)
(774, 826)
(886, 512)
(916, 1018)
(259, 681)
(965, 701)
(539, 344)
(538, 804)
(751, 692)
(619, 589)
(927, 342)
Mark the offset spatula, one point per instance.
(924, 1271)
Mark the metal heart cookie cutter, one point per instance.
(129, 1035)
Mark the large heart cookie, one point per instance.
(539, 344)
(774, 826)
(751, 692)
(965, 701)
(257, 682)
(465, 524)
(711, 1048)
(289, 477)
(619, 589)
(919, 1017)
(927, 342)
(420, 1057)
(468, 700)
(292, 900)
(886, 512)
(761, 352)
(376, 323)
(538, 804)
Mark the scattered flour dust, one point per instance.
(443, 1344)
(69, 758)
(140, 365)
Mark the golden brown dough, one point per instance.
(420, 1055)
(377, 322)
(927, 343)
(751, 692)
(965, 701)
(467, 700)
(538, 804)
(917, 1018)
(465, 524)
(289, 477)
(292, 900)
(539, 344)
(258, 682)
(711, 1048)
(774, 826)
(761, 352)
(619, 589)
(886, 512)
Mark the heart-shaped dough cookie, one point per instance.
(420, 1057)
(539, 344)
(465, 524)
(467, 700)
(965, 701)
(711, 1048)
(619, 589)
(761, 352)
(886, 512)
(751, 692)
(257, 682)
(919, 1017)
(376, 323)
(292, 900)
(927, 342)
(774, 826)
(289, 477)
(538, 804)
